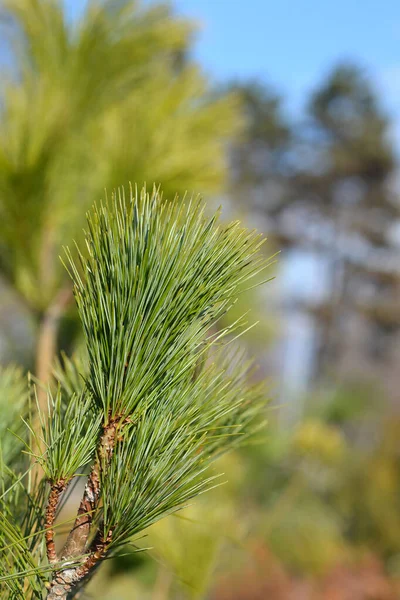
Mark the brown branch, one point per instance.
(56, 490)
(99, 549)
(65, 580)
(78, 537)
(68, 577)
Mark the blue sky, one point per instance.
(292, 43)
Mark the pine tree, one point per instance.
(260, 167)
(347, 193)
(88, 105)
(161, 392)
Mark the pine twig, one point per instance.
(56, 490)
(77, 539)
(65, 579)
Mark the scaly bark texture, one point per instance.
(56, 490)
(77, 539)
(64, 581)
(66, 578)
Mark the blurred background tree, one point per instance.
(347, 185)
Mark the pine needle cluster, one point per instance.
(161, 395)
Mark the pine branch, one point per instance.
(56, 490)
(77, 540)
(160, 395)
(78, 537)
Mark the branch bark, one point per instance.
(77, 539)
(66, 578)
(64, 581)
(56, 490)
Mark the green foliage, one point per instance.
(331, 486)
(69, 433)
(157, 277)
(158, 378)
(21, 508)
(109, 99)
(368, 500)
(183, 272)
(71, 371)
(190, 544)
(13, 404)
(307, 535)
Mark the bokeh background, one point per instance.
(288, 114)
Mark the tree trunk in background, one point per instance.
(162, 586)
(46, 349)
